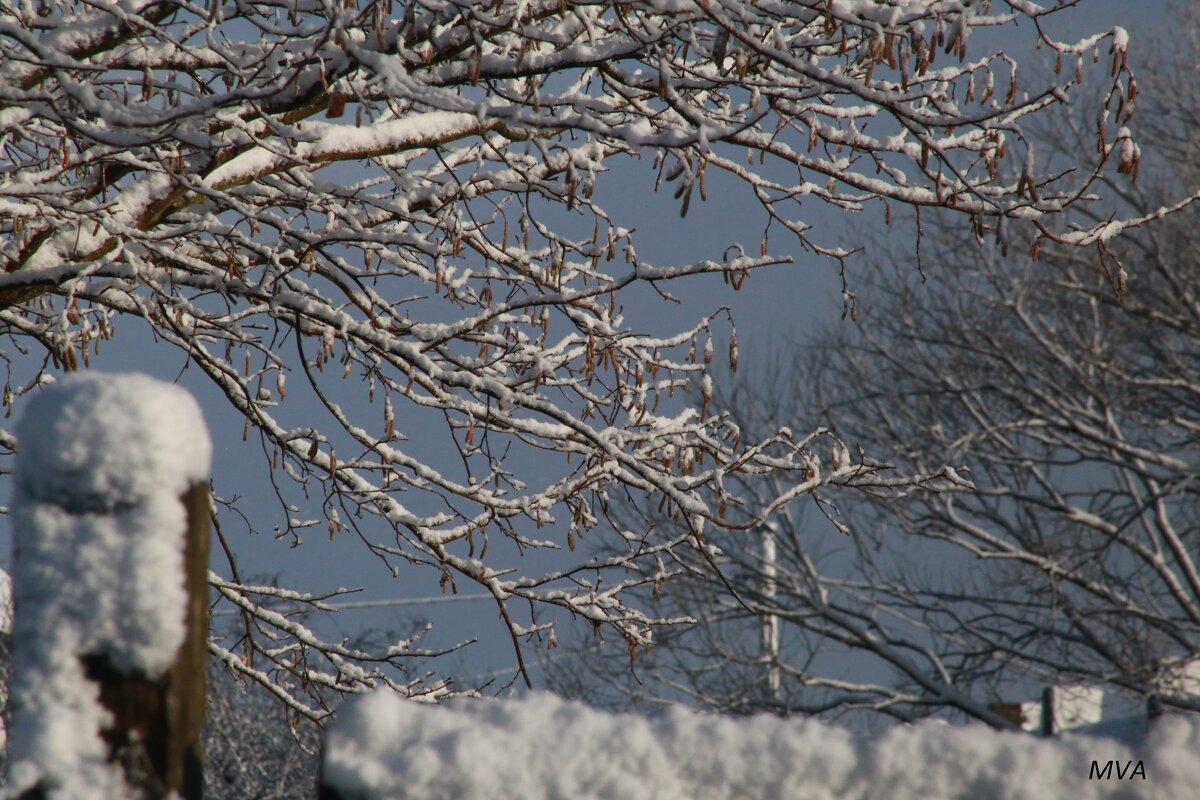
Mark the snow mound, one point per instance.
(542, 747)
(98, 564)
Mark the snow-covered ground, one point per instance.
(542, 747)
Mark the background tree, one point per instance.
(297, 193)
(251, 749)
(1071, 394)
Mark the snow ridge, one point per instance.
(541, 747)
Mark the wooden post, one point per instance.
(111, 539)
(156, 722)
(155, 733)
(1049, 723)
(324, 790)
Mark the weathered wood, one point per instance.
(1013, 712)
(155, 732)
(325, 792)
(189, 676)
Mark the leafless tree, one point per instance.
(1072, 395)
(387, 214)
(251, 750)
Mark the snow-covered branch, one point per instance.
(376, 231)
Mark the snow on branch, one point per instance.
(377, 231)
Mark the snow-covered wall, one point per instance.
(540, 747)
(98, 563)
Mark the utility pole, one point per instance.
(769, 622)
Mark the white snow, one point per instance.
(330, 141)
(540, 746)
(1120, 39)
(6, 610)
(1076, 706)
(98, 551)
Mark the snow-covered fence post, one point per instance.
(110, 525)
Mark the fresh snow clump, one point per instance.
(98, 564)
